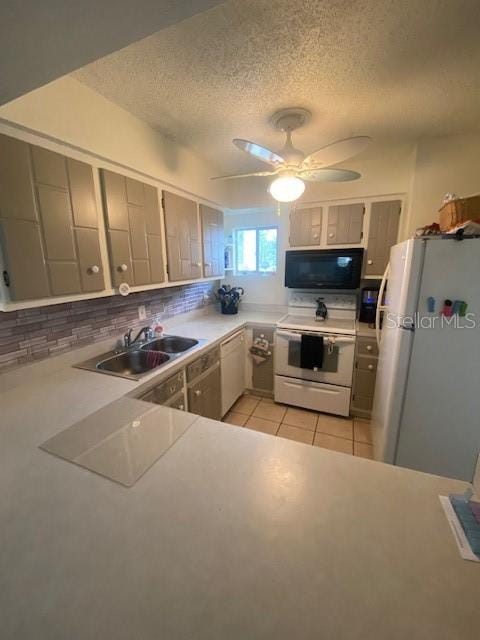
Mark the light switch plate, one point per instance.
(142, 312)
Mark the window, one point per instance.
(256, 250)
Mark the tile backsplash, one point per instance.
(33, 334)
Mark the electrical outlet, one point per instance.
(142, 312)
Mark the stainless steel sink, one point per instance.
(133, 362)
(170, 344)
(142, 358)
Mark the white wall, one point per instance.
(268, 288)
(68, 111)
(443, 164)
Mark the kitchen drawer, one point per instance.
(367, 364)
(362, 405)
(165, 390)
(364, 382)
(313, 395)
(367, 347)
(201, 364)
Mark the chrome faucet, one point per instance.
(127, 338)
(322, 312)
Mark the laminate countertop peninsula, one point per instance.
(230, 534)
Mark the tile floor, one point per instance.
(348, 435)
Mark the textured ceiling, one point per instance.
(41, 41)
(392, 70)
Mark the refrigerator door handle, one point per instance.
(381, 307)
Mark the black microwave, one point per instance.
(323, 269)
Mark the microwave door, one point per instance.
(323, 269)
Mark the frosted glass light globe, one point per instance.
(287, 188)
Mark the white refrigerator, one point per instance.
(426, 412)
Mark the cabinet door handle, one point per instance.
(315, 235)
(331, 235)
(369, 347)
(123, 267)
(181, 407)
(369, 261)
(196, 264)
(94, 269)
(371, 367)
(198, 392)
(207, 264)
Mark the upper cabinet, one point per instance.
(305, 227)
(345, 224)
(52, 234)
(183, 237)
(213, 240)
(382, 235)
(48, 223)
(134, 230)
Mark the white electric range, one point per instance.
(328, 387)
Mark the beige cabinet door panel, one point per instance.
(345, 223)
(120, 256)
(57, 194)
(183, 243)
(89, 260)
(213, 241)
(64, 278)
(82, 194)
(54, 207)
(140, 246)
(138, 233)
(17, 199)
(305, 227)
(135, 192)
(141, 272)
(25, 264)
(155, 254)
(382, 235)
(152, 210)
(49, 167)
(115, 200)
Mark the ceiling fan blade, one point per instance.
(244, 175)
(261, 153)
(337, 151)
(328, 175)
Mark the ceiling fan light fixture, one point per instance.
(286, 188)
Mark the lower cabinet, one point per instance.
(262, 374)
(204, 385)
(364, 377)
(204, 396)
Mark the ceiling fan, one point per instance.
(292, 166)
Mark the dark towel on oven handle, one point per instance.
(311, 351)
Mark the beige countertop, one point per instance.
(231, 534)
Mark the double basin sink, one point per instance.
(138, 360)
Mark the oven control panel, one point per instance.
(344, 301)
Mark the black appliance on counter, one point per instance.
(368, 305)
(323, 269)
